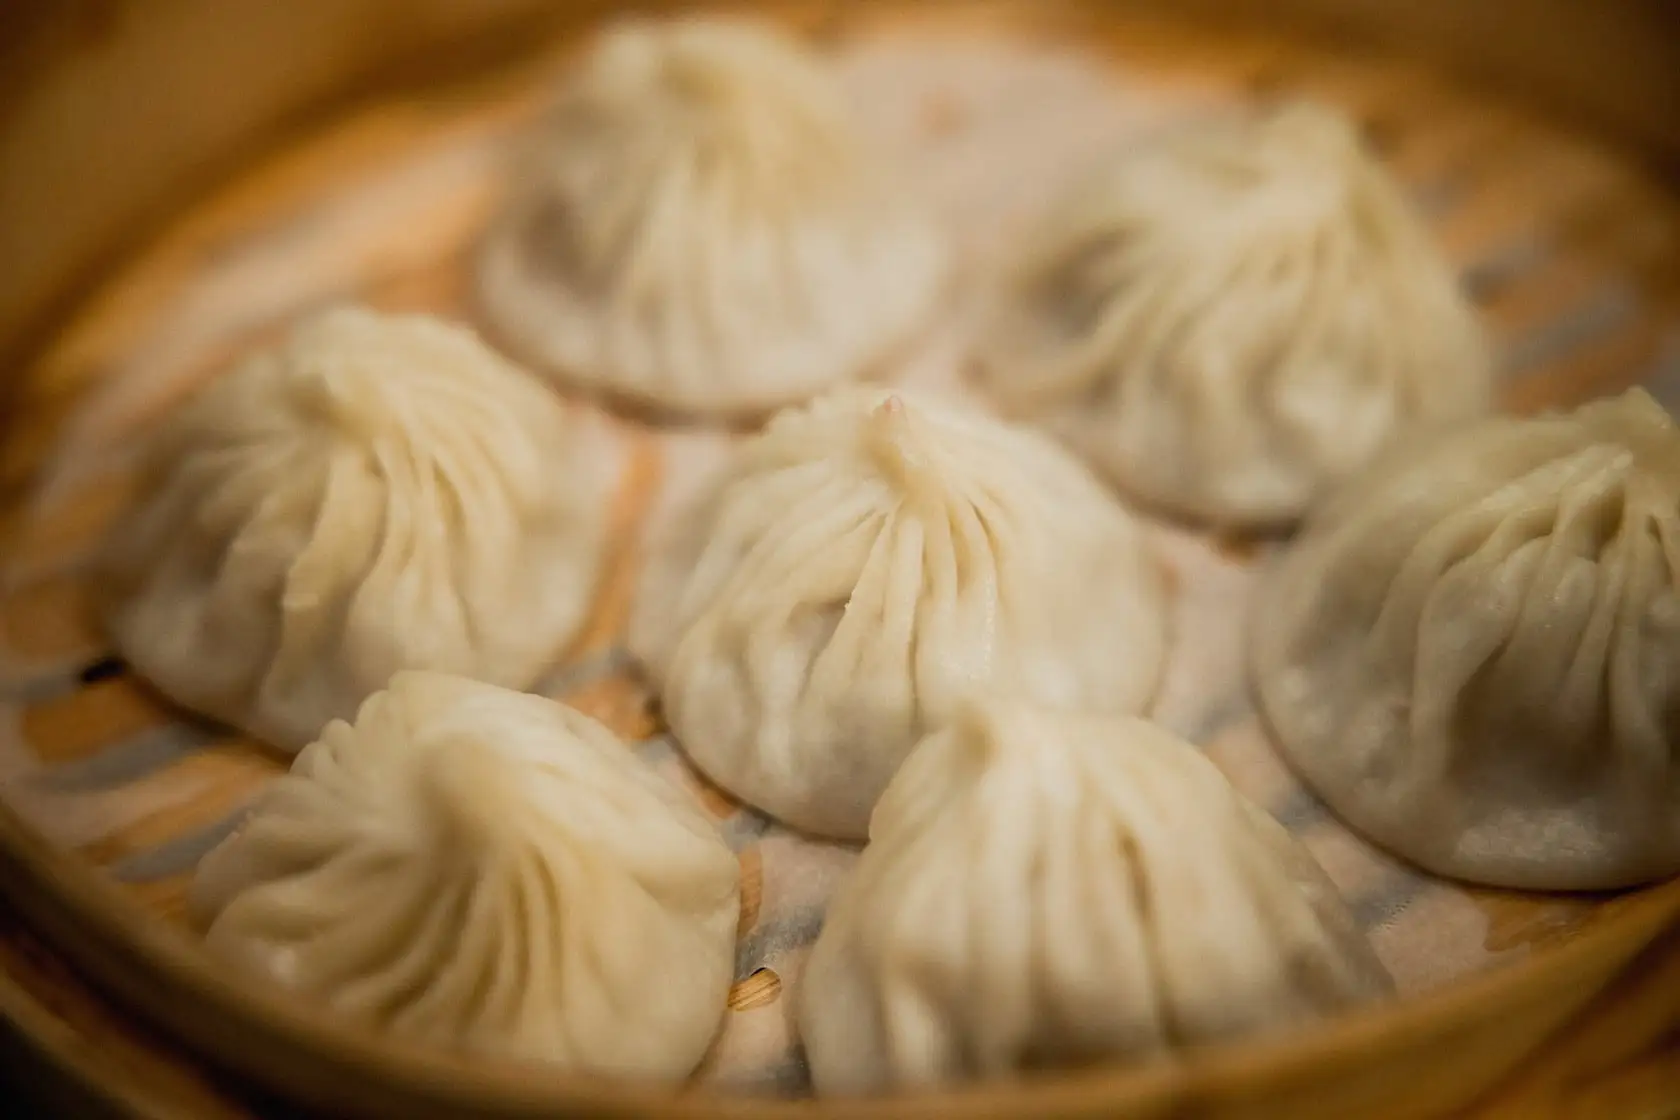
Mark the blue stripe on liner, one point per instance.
(756, 950)
(1382, 905)
(126, 761)
(789, 1077)
(1486, 278)
(1396, 885)
(1300, 810)
(656, 751)
(177, 856)
(1606, 310)
(1440, 197)
(744, 828)
(40, 688)
(1662, 380)
(1214, 719)
(569, 678)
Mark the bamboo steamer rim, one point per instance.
(277, 1040)
(285, 1043)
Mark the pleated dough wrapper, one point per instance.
(1229, 317)
(487, 871)
(701, 228)
(867, 563)
(377, 492)
(1474, 653)
(1045, 889)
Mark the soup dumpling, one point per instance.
(1228, 318)
(700, 228)
(863, 566)
(1473, 653)
(487, 871)
(1051, 890)
(376, 492)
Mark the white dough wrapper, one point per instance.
(862, 567)
(377, 492)
(700, 227)
(1050, 890)
(1230, 316)
(1473, 654)
(487, 871)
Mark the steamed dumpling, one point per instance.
(1226, 319)
(377, 492)
(867, 563)
(1473, 655)
(488, 871)
(701, 228)
(1043, 889)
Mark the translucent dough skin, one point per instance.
(487, 871)
(1048, 890)
(1473, 654)
(377, 492)
(700, 228)
(864, 565)
(1229, 317)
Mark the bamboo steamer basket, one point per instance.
(119, 114)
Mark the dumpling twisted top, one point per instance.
(1049, 889)
(1473, 653)
(1230, 316)
(701, 227)
(376, 492)
(864, 565)
(486, 870)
